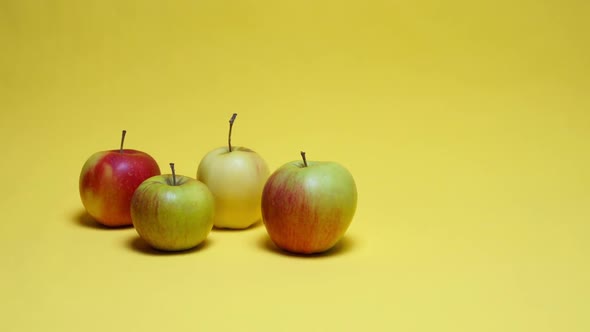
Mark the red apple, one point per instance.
(307, 207)
(108, 181)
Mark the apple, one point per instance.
(308, 206)
(171, 212)
(235, 176)
(108, 180)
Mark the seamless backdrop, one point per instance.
(465, 124)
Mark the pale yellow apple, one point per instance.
(236, 180)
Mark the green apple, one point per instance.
(235, 176)
(172, 212)
(308, 206)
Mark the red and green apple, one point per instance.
(308, 206)
(172, 212)
(108, 180)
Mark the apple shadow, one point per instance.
(137, 244)
(345, 245)
(83, 219)
(251, 227)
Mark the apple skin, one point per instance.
(236, 180)
(172, 217)
(307, 210)
(108, 180)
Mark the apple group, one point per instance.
(305, 206)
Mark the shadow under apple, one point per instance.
(251, 227)
(137, 244)
(345, 245)
(83, 219)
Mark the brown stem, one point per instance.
(231, 124)
(173, 174)
(304, 160)
(122, 140)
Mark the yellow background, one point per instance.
(466, 125)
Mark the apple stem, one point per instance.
(173, 174)
(122, 140)
(304, 160)
(231, 124)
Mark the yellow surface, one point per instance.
(465, 123)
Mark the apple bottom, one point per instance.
(110, 210)
(236, 214)
(304, 235)
(165, 240)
